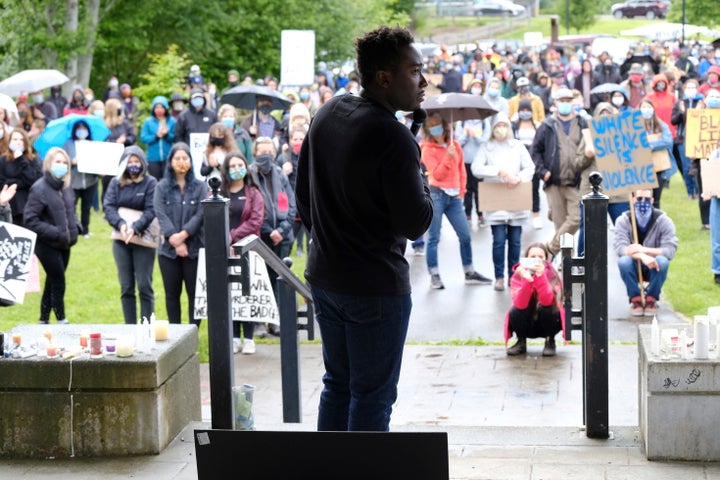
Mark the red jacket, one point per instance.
(443, 170)
(663, 102)
(548, 287)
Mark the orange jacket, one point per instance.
(443, 170)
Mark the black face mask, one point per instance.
(217, 142)
(264, 163)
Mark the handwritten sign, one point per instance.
(702, 132)
(198, 143)
(259, 306)
(623, 153)
(17, 245)
(100, 158)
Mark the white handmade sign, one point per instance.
(17, 245)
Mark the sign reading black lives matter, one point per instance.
(17, 245)
(623, 153)
(258, 306)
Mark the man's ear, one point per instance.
(383, 78)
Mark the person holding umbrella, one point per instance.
(443, 158)
(260, 123)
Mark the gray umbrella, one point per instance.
(606, 88)
(245, 97)
(458, 106)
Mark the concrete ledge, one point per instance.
(98, 407)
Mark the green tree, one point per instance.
(696, 12)
(582, 13)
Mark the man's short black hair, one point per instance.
(380, 49)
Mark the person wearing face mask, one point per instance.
(78, 103)
(493, 95)
(469, 133)
(158, 133)
(19, 167)
(50, 212)
(560, 155)
(297, 116)
(197, 118)
(134, 190)
(41, 108)
(652, 245)
(180, 215)
(177, 104)
(557, 82)
(524, 130)
(634, 86)
(57, 99)
(246, 210)
(619, 100)
(84, 185)
(112, 90)
(713, 80)
(660, 139)
(524, 93)
(691, 98)
(442, 156)
(220, 143)
(227, 115)
(260, 123)
(504, 159)
(663, 99)
(711, 100)
(306, 99)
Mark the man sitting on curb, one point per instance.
(654, 246)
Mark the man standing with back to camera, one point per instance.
(361, 195)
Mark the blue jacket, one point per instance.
(177, 211)
(158, 147)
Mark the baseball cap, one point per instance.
(563, 92)
(522, 82)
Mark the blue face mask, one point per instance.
(58, 170)
(647, 113)
(713, 102)
(436, 131)
(133, 170)
(197, 102)
(643, 213)
(493, 92)
(525, 115)
(82, 133)
(564, 108)
(238, 174)
(228, 122)
(304, 96)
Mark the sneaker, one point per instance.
(537, 223)
(43, 322)
(650, 306)
(499, 284)
(474, 278)
(435, 282)
(237, 345)
(64, 321)
(87, 235)
(248, 347)
(549, 349)
(519, 348)
(419, 251)
(636, 306)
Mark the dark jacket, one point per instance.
(136, 195)
(22, 172)
(368, 198)
(289, 156)
(280, 208)
(678, 117)
(50, 212)
(192, 121)
(177, 211)
(546, 154)
(126, 129)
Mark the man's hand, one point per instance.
(650, 262)
(276, 237)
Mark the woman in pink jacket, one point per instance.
(537, 311)
(442, 157)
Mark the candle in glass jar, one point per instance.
(95, 345)
(162, 330)
(52, 350)
(124, 346)
(17, 339)
(84, 338)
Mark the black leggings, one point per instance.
(175, 272)
(54, 261)
(85, 197)
(527, 325)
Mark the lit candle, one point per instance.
(17, 339)
(124, 346)
(48, 335)
(162, 330)
(52, 350)
(84, 338)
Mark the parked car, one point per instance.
(640, 8)
(497, 7)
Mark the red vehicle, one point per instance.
(649, 9)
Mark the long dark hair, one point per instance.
(249, 179)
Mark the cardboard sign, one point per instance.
(100, 158)
(17, 245)
(702, 132)
(660, 158)
(710, 175)
(623, 153)
(259, 306)
(494, 196)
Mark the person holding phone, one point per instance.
(536, 311)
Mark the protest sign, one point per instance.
(623, 153)
(198, 143)
(710, 175)
(101, 158)
(17, 245)
(258, 306)
(494, 196)
(702, 132)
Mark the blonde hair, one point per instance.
(47, 163)
(225, 108)
(114, 113)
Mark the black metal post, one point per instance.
(222, 374)
(289, 350)
(595, 308)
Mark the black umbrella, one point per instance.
(641, 59)
(245, 97)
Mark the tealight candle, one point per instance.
(162, 330)
(124, 346)
(84, 338)
(17, 339)
(110, 345)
